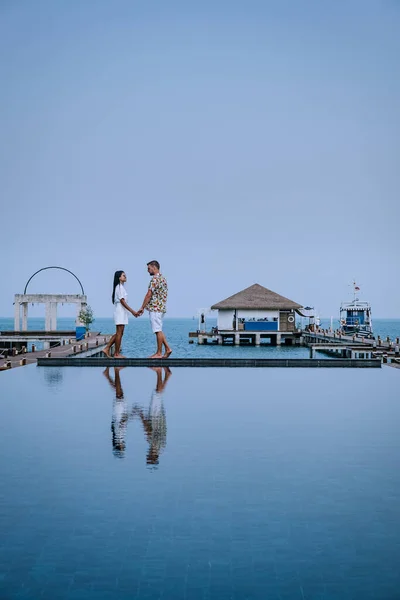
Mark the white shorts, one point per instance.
(156, 320)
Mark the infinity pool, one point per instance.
(199, 484)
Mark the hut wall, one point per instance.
(225, 319)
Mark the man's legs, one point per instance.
(156, 324)
(159, 341)
(168, 350)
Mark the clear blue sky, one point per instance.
(235, 142)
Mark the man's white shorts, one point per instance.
(156, 320)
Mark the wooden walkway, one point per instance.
(387, 351)
(90, 346)
(349, 340)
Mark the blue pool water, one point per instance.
(224, 484)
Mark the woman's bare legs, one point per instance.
(107, 349)
(118, 340)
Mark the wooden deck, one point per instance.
(90, 346)
(377, 344)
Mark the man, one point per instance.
(155, 302)
(154, 420)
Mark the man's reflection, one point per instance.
(120, 414)
(153, 420)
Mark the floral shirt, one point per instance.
(159, 288)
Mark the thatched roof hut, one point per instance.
(256, 297)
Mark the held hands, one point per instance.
(137, 313)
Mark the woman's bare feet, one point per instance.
(106, 352)
(167, 353)
(119, 356)
(156, 355)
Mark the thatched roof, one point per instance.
(257, 297)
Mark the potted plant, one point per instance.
(86, 317)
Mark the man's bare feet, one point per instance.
(105, 351)
(119, 356)
(156, 355)
(167, 353)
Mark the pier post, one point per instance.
(258, 339)
(53, 316)
(17, 316)
(237, 339)
(220, 340)
(47, 314)
(24, 316)
(46, 345)
(396, 350)
(278, 339)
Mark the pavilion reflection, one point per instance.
(151, 416)
(53, 377)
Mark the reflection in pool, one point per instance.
(277, 484)
(153, 417)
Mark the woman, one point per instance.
(120, 413)
(121, 312)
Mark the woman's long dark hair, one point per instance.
(117, 275)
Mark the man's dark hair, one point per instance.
(154, 263)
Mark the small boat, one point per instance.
(355, 316)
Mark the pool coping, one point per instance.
(210, 362)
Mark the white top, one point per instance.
(121, 315)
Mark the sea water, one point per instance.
(138, 340)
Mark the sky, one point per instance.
(234, 142)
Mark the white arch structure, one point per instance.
(50, 301)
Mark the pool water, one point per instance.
(199, 484)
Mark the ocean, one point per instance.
(138, 340)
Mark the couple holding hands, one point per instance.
(155, 301)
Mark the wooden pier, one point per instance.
(91, 346)
(331, 343)
(388, 351)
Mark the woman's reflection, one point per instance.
(120, 414)
(154, 420)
